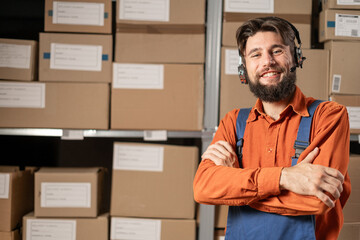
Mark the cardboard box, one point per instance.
(18, 59)
(312, 79)
(278, 7)
(350, 231)
(344, 75)
(172, 12)
(221, 213)
(166, 97)
(230, 26)
(54, 105)
(147, 46)
(352, 207)
(86, 16)
(149, 180)
(16, 197)
(13, 235)
(339, 25)
(352, 103)
(140, 228)
(68, 192)
(342, 4)
(219, 234)
(66, 228)
(75, 57)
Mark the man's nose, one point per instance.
(268, 60)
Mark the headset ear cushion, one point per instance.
(241, 72)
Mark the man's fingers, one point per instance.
(311, 156)
(325, 199)
(335, 173)
(226, 146)
(218, 161)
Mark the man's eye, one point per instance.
(277, 51)
(255, 55)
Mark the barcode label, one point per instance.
(158, 135)
(336, 83)
(354, 32)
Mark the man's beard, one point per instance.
(273, 93)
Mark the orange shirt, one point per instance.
(268, 147)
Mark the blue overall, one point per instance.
(247, 223)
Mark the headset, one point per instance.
(298, 56)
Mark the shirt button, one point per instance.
(269, 149)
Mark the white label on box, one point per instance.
(15, 55)
(336, 83)
(138, 76)
(72, 134)
(135, 229)
(347, 25)
(22, 95)
(79, 13)
(253, 6)
(145, 10)
(158, 135)
(4, 185)
(76, 57)
(354, 117)
(348, 2)
(138, 158)
(63, 194)
(231, 62)
(50, 229)
(222, 238)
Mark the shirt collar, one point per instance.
(297, 105)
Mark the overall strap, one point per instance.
(240, 129)
(303, 135)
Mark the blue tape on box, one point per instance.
(46, 55)
(330, 24)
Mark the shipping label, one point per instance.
(138, 76)
(15, 56)
(249, 6)
(22, 95)
(348, 2)
(231, 62)
(50, 229)
(4, 185)
(65, 194)
(347, 25)
(145, 10)
(79, 13)
(354, 117)
(76, 57)
(138, 158)
(135, 229)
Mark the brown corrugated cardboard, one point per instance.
(280, 6)
(66, 228)
(68, 192)
(159, 12)
(352, 208)
(352, 103)
(164, 229)
(219, 234)
(312, 79)
(86, 16)
(75, 57)
(339, 25)
(175, 105)
(13, 235)
(150, 47)
(350, 231)
(65, 105)
(19, 59)
(233, 21)
(153, 180)
(344, 75)
(18, 197)
(336, 4)
(221, 213)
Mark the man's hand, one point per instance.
(306, 178)
(221, 153)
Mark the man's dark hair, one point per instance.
(265, 24)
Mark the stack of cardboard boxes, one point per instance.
(311, 78)
(16, 200)
(339, 29)
(158, 74)
(68, 205)
(74, 70)
(152, 195)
